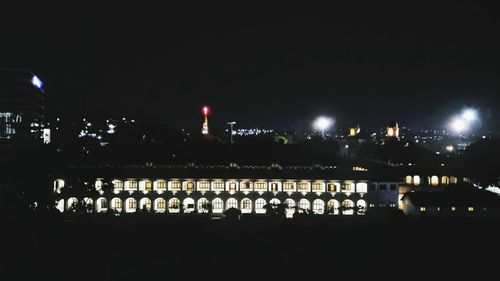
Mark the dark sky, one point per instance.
(268, 65)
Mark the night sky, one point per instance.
(272, 66)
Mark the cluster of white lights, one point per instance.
(249, 132)
(464, 121)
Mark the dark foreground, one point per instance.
(136, 248)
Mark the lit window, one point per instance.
(175, 185)
(422, 209)
(161, 184)
(190, 186)
(303, 186)
(470, 209)
(331, 187)
(274, 187)
(288, 186)
(218, 185)
(453, 209)
(260, 186)
(317, 186)
(203, 185)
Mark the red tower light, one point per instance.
(206, 110)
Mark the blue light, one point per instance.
(37, 82)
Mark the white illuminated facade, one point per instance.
(215, 195)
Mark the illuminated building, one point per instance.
(174, 189)
(204, 128)
(393, 129)
(354, 131)
(21, 108)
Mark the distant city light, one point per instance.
(449, 148)
(37, 82)
(323, 123)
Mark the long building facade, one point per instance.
(252, 190)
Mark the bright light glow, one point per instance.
(206, 110)
(449, 148)
(458, 125)
(323, 123)
(469, 115)
(37, 82)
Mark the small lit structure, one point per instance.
(204, 128)
(393, 129)
(354, 131)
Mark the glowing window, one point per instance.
(204, 185)
(161, 184)
(175, 185)
(303, 186)
(160, 203)
(416, 180)
(218, 185)
(434, 181)
(288, 186)
(317, 186)
(190, 186)
(348, 187)
(261, 185)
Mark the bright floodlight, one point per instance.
(469, 115)
(322, 124)
(36, 82)
(458, 125)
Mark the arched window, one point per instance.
(116, 204)
(304, 206)
(408, 180)
(130, 205)
(101, 205)
(231, 203)
(332, 207)
(188, 204)
(347, 207)
(246, 206)
(416, 180)
(445, 180)
(145, 204)
(72, 204)
(361, 204)
(217, 206)
(160, 205)
(434, 181)
(290, 207)
(203, 206)
(259, 206)
(318, 207)
(453, 180)
(60, 205)
(174, 205)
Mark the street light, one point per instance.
(231, 132)
(322, 123)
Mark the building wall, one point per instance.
(346, 197)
